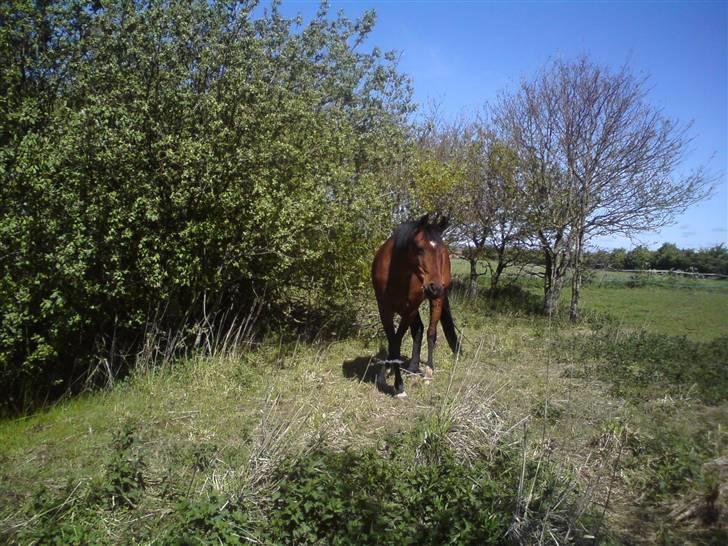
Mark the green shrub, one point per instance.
(642, 364)
(207, 521)
(187, 159)
(361, 497)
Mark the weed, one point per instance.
(124, 482)
(212, 520)
(640, 364)
(362, 497)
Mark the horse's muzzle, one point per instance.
(434, 290)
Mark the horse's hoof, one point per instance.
(428, 375)
(401, 395)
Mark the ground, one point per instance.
(609, 431)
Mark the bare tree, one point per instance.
(603, 162)
(505, 206)
(527, 120)
(446, 181)
(476, 180)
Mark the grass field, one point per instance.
(676, 306)
(540, 432)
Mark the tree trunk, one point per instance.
(551, 300)
(576, 280)
(495, 276)
(473, 287)
(553, 294)
(575, 292)
(556, 266)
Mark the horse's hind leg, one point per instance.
(381, 379)
(398, 383)
(387, 317)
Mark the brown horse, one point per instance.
(411, 266)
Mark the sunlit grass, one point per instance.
(671, 305)
(522, 382)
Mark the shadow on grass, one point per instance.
(509, 298)
(365, 369)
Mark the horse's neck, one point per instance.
(403, 276)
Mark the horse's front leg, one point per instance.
(394, 345)
(435, 314)
(397, 360)
(416, 329)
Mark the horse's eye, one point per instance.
(420, 251)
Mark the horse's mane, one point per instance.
(404, 233)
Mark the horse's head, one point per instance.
(427, 254)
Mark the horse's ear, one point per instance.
(443, 223)
(423, 221)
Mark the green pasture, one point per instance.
(539, 432)
(671, 305)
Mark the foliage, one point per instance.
(642, 363)
(207, 521)
(124, 481)
(476, 179)
(415, 492)
(437, 183)
(363, 498)
(668, 256)
(53, 524)
(158, 155)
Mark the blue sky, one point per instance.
(461, 54)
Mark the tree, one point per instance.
(160, 154)
(615, 157)
(504, 205)
(527, 120)
(466, 172)
(669, 256)
(640, 257)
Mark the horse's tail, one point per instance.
(448, 327)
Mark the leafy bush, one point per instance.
(363, 498)
(640, 363)
(124, 481)
(207, 521)
(52, 524)
(160, 158)
(414, 489)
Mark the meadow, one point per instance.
(669, 304)
(611, 431)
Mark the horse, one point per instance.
(412, 266)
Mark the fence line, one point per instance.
(669, 272)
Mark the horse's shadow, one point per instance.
(365, 369)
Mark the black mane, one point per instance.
(405, 233)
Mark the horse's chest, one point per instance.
(410, 296)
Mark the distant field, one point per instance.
(696, 308)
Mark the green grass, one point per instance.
(671, 305)
(699, 314)
(596, 429)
